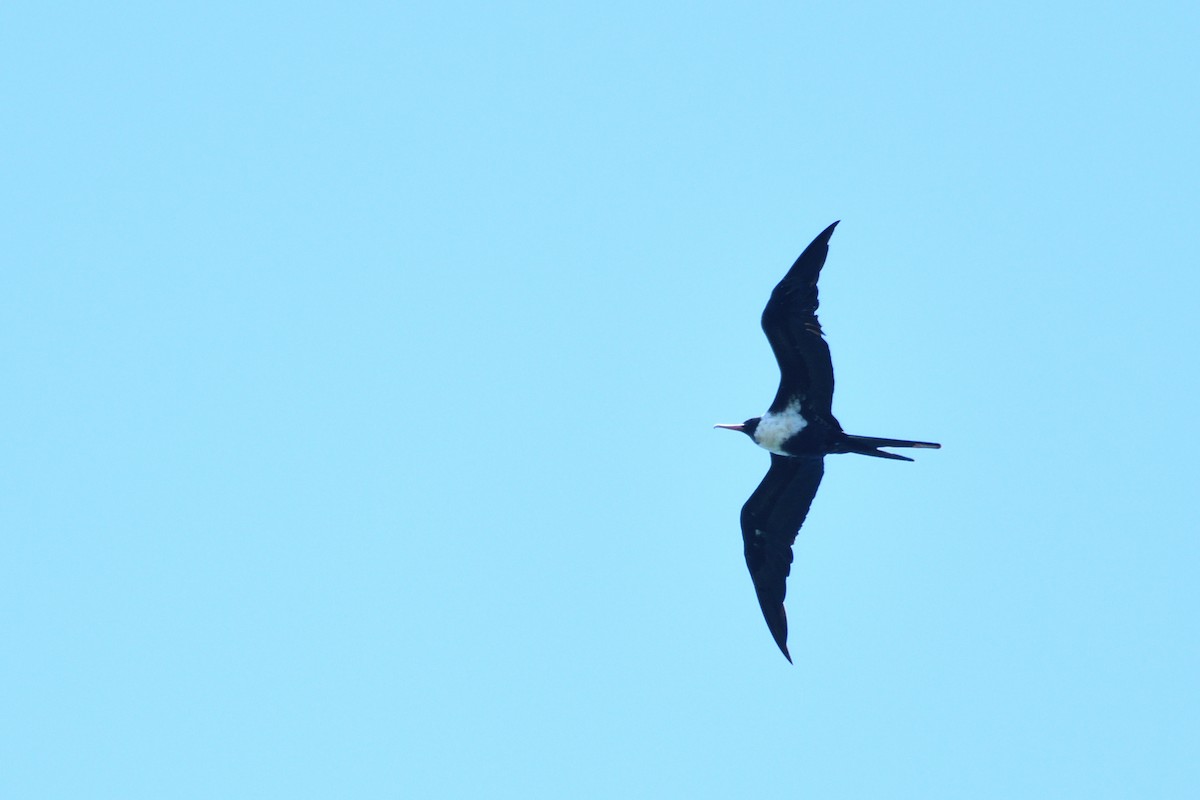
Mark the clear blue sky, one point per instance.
(360, 362)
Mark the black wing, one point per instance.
(790, 322)
(771, 519)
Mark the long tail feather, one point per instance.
(875, 441)
(869, 446)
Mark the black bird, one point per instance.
(799, 430)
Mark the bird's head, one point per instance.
(748, 427)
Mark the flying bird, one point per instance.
(799, 430)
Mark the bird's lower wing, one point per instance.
(771, 518)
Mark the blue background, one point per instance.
(360, 362)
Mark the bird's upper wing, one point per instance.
(790, 322)
(771, 518)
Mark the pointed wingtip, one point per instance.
(824, 235)
(777, 623)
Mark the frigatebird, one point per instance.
(799, 430)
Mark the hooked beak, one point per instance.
(741, 426)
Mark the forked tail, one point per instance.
(869, 446)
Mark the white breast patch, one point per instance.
(775, 429)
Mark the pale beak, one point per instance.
(741, 426)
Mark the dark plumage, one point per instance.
(799, 429)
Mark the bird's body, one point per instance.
(790, 432)
(799, 430)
